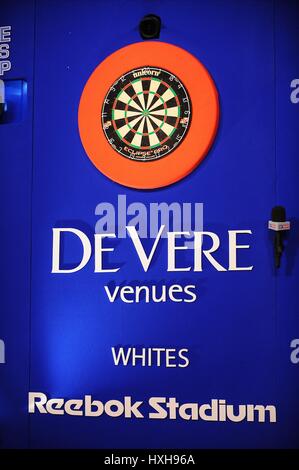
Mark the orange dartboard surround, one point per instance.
(148, 115)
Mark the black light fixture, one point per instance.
(150, 27)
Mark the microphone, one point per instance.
(279, 224)
(2, 97)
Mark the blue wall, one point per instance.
(59, 329)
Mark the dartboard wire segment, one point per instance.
(146, 118)
(148, 115)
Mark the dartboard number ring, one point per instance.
(146, 114)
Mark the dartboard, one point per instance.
(146, 113)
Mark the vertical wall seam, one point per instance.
(276, 339)
(31, 216)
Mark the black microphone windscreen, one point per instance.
(278, 214)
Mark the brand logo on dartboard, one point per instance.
(146, 118)
(146, 71)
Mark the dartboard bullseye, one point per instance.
(146, 113)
